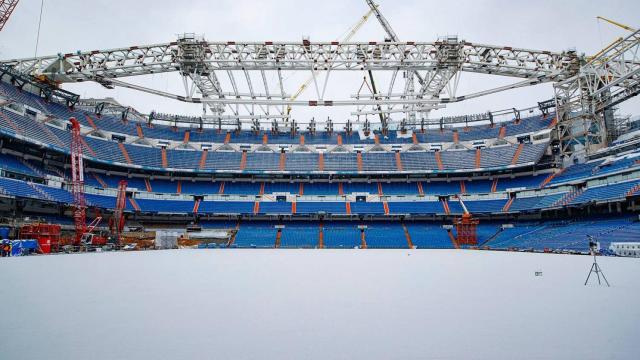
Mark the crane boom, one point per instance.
(348, 37)
(623, 26)
(6, 8)
(383, 21)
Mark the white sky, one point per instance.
(70, 25)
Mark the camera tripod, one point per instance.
(595, 268)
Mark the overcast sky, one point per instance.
(70, 25)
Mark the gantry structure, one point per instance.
(244, 82)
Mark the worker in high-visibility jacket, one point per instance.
(6, 248)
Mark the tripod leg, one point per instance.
(598, 273)
(588, 276)
(604, 277)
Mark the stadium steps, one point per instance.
(339, 140)
(100, 180)
(278, 239)
(494, 185)
(500, 230)
(553, 123)
(265, 139)
(398, 161)
(420, 189)
(90, 149)
(478, 158)
(187, 135)
(376, 139)
(221, 188)
(261, 188)
(347, 207)
(134, 204)
(363, 239)
(407, 236)
(414, 139)
(293, 207)
(380, 193)
(11, 123)
(456, 137)
(445, 206)
(385, 205)
(243, 161)
(301, 189)
(227, 138)
(53, 137)
(203, 159)
(548, 179)
(147, 184)
(163, 153)
(302, 140)
(516, 156)
(463, 187)
(633, 190)
(454, 242)
(31, 167)
(233, 237)
(439, 161)
(40, 192)
(179, 187)
(125, 153)
(340, 189)
(506, 206)
(503, 132)
(320, 235)
(321, 161)
(91, 122)
(196, 206)
(359, 157)
(43, 106)
(256, 208)
(283, 161)
(567, 198)
(139, 131)
(59, 172)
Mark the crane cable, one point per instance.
(39, 24)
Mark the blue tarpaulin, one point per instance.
(23, 247)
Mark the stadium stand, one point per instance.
(319, 188)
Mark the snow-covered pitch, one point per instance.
(317, 304)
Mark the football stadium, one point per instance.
(281, 188)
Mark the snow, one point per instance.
(317, 304)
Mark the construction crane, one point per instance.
(393, 37)
(117, 222)
(6, 8)
(623, 26)
(84, 235)
(77, 182)
(466, 226)
(614, 42)
(347, 37)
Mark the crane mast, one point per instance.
(77, 181)
(117, 225)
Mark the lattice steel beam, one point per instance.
(410, 56)
(607, 79)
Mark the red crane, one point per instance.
(466, 227)
(77, 181)
(6, 8)
(117, 222)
